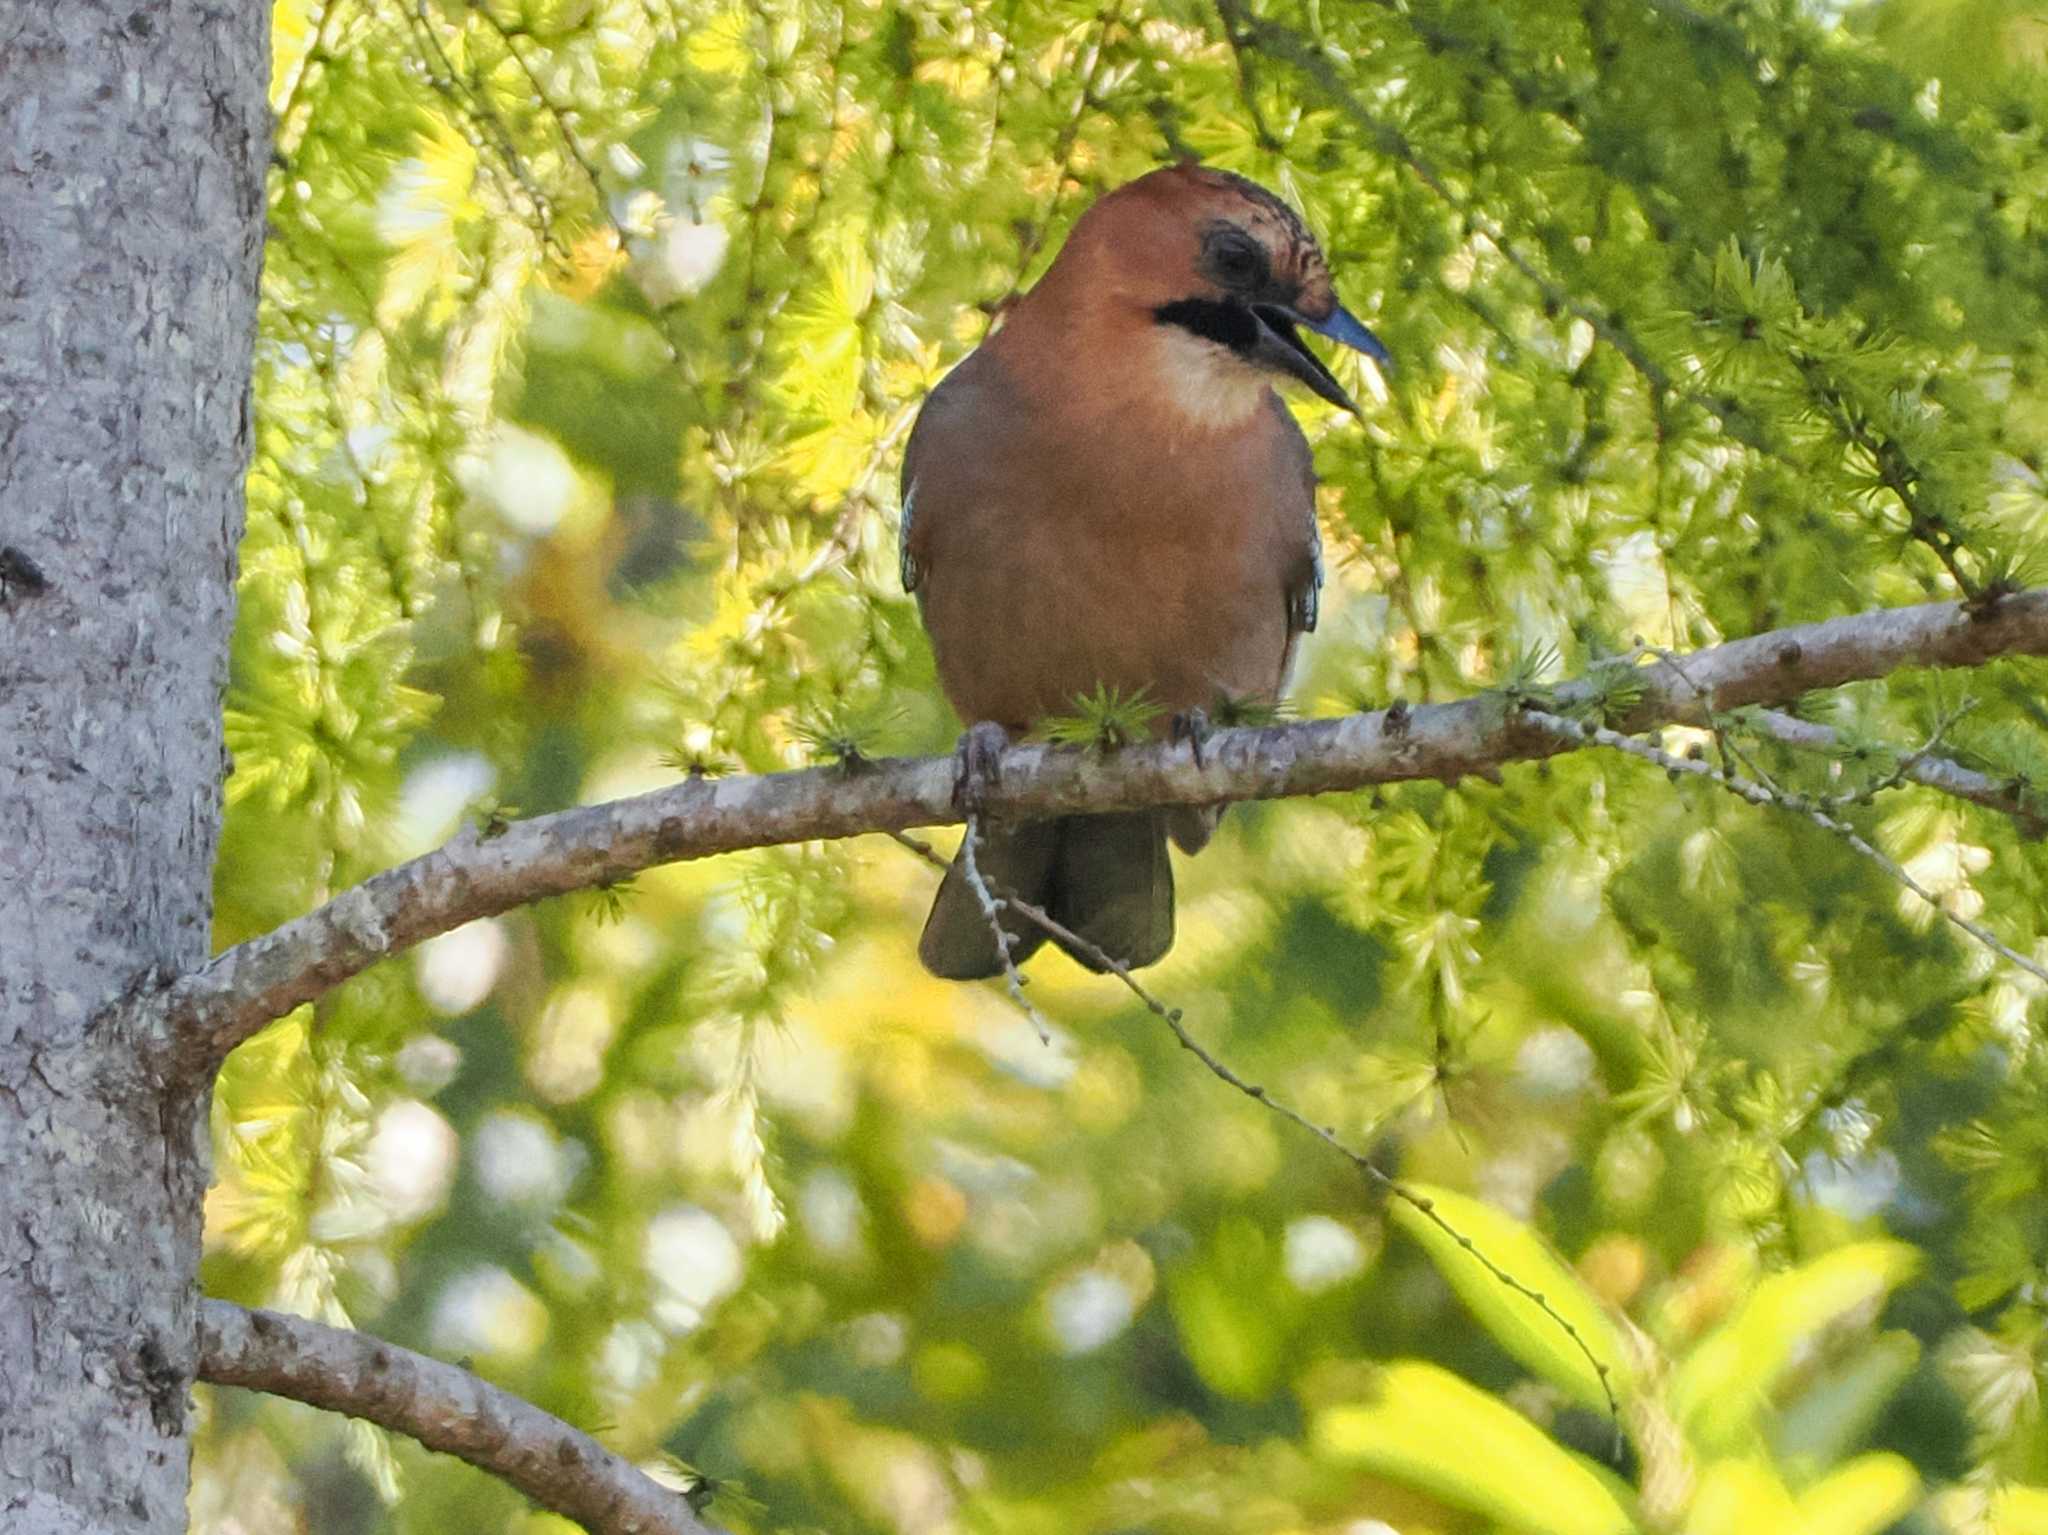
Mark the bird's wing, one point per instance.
(945, 418)
(1305, 592)
(906, 532)
(912, 541)
(1298, 481)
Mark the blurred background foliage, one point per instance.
(591, 333)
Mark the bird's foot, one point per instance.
(1191, 726)
(977, 764)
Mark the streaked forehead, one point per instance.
(1260, 210)
(1268, 218)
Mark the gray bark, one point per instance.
(132, 153)
(133, 139)
(211, 1012)
(446, 1408)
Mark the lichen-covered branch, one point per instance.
(445, 1408)
(207, 1013)
(1758, 793)
(1922, 768)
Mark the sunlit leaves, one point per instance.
(1722, 1389)
(1224, 1307)
(1423, 1426)
(1104, 719)
(592, 333)
(1565, 1337)
(2001, 1378)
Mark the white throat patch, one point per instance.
(1209, 384)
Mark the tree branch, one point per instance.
(203, 1015)
(1760, 793)
(445, 1408)
(1931, 772)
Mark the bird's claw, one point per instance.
(1191, 726)
(977, 764)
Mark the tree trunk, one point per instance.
(133, 141)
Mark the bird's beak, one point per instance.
(1279, 347)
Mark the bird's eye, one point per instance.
(1236, 260)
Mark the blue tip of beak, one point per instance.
(1342, 327)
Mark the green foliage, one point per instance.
(1766, 1444)
(1546, 1319)
(591, 334)
(1250, 710)
(1422, 1426)
(1104, 720)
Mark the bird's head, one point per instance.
(1226, 268)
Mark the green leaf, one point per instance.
(1740, 1497)
(1533, 1334)
(1230, 1309)
(1862, 1498)
(1425, 1428)
(1104, 720)
(1720, 1389)
(1826, 1420)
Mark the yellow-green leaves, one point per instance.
(2006, 1511)
(1424, 1427)
(1104, 719)
(1708, 319)
(1864, 1497)
(1225, 1305)
(1473, 1245)
(422, 218)
(1747, 1497)
(1701, 1427)
(1722, 1388)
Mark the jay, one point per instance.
(1109, 494)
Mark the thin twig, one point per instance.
(1282, 42)
(1421, 1203)
(1005, 55)
(1758, 794)
(1921, 767)
(992, 909)
(846, 526)
(557, 114)
(317, 54)
(473, 108)
(1063, 160)
(1895, 471)
(1247, 85)
(1901, 771)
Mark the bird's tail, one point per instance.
(1105, 877)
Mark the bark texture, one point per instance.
(132, 146)
(444, 1407)
(210, 1012)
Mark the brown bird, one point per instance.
(1107, 493)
